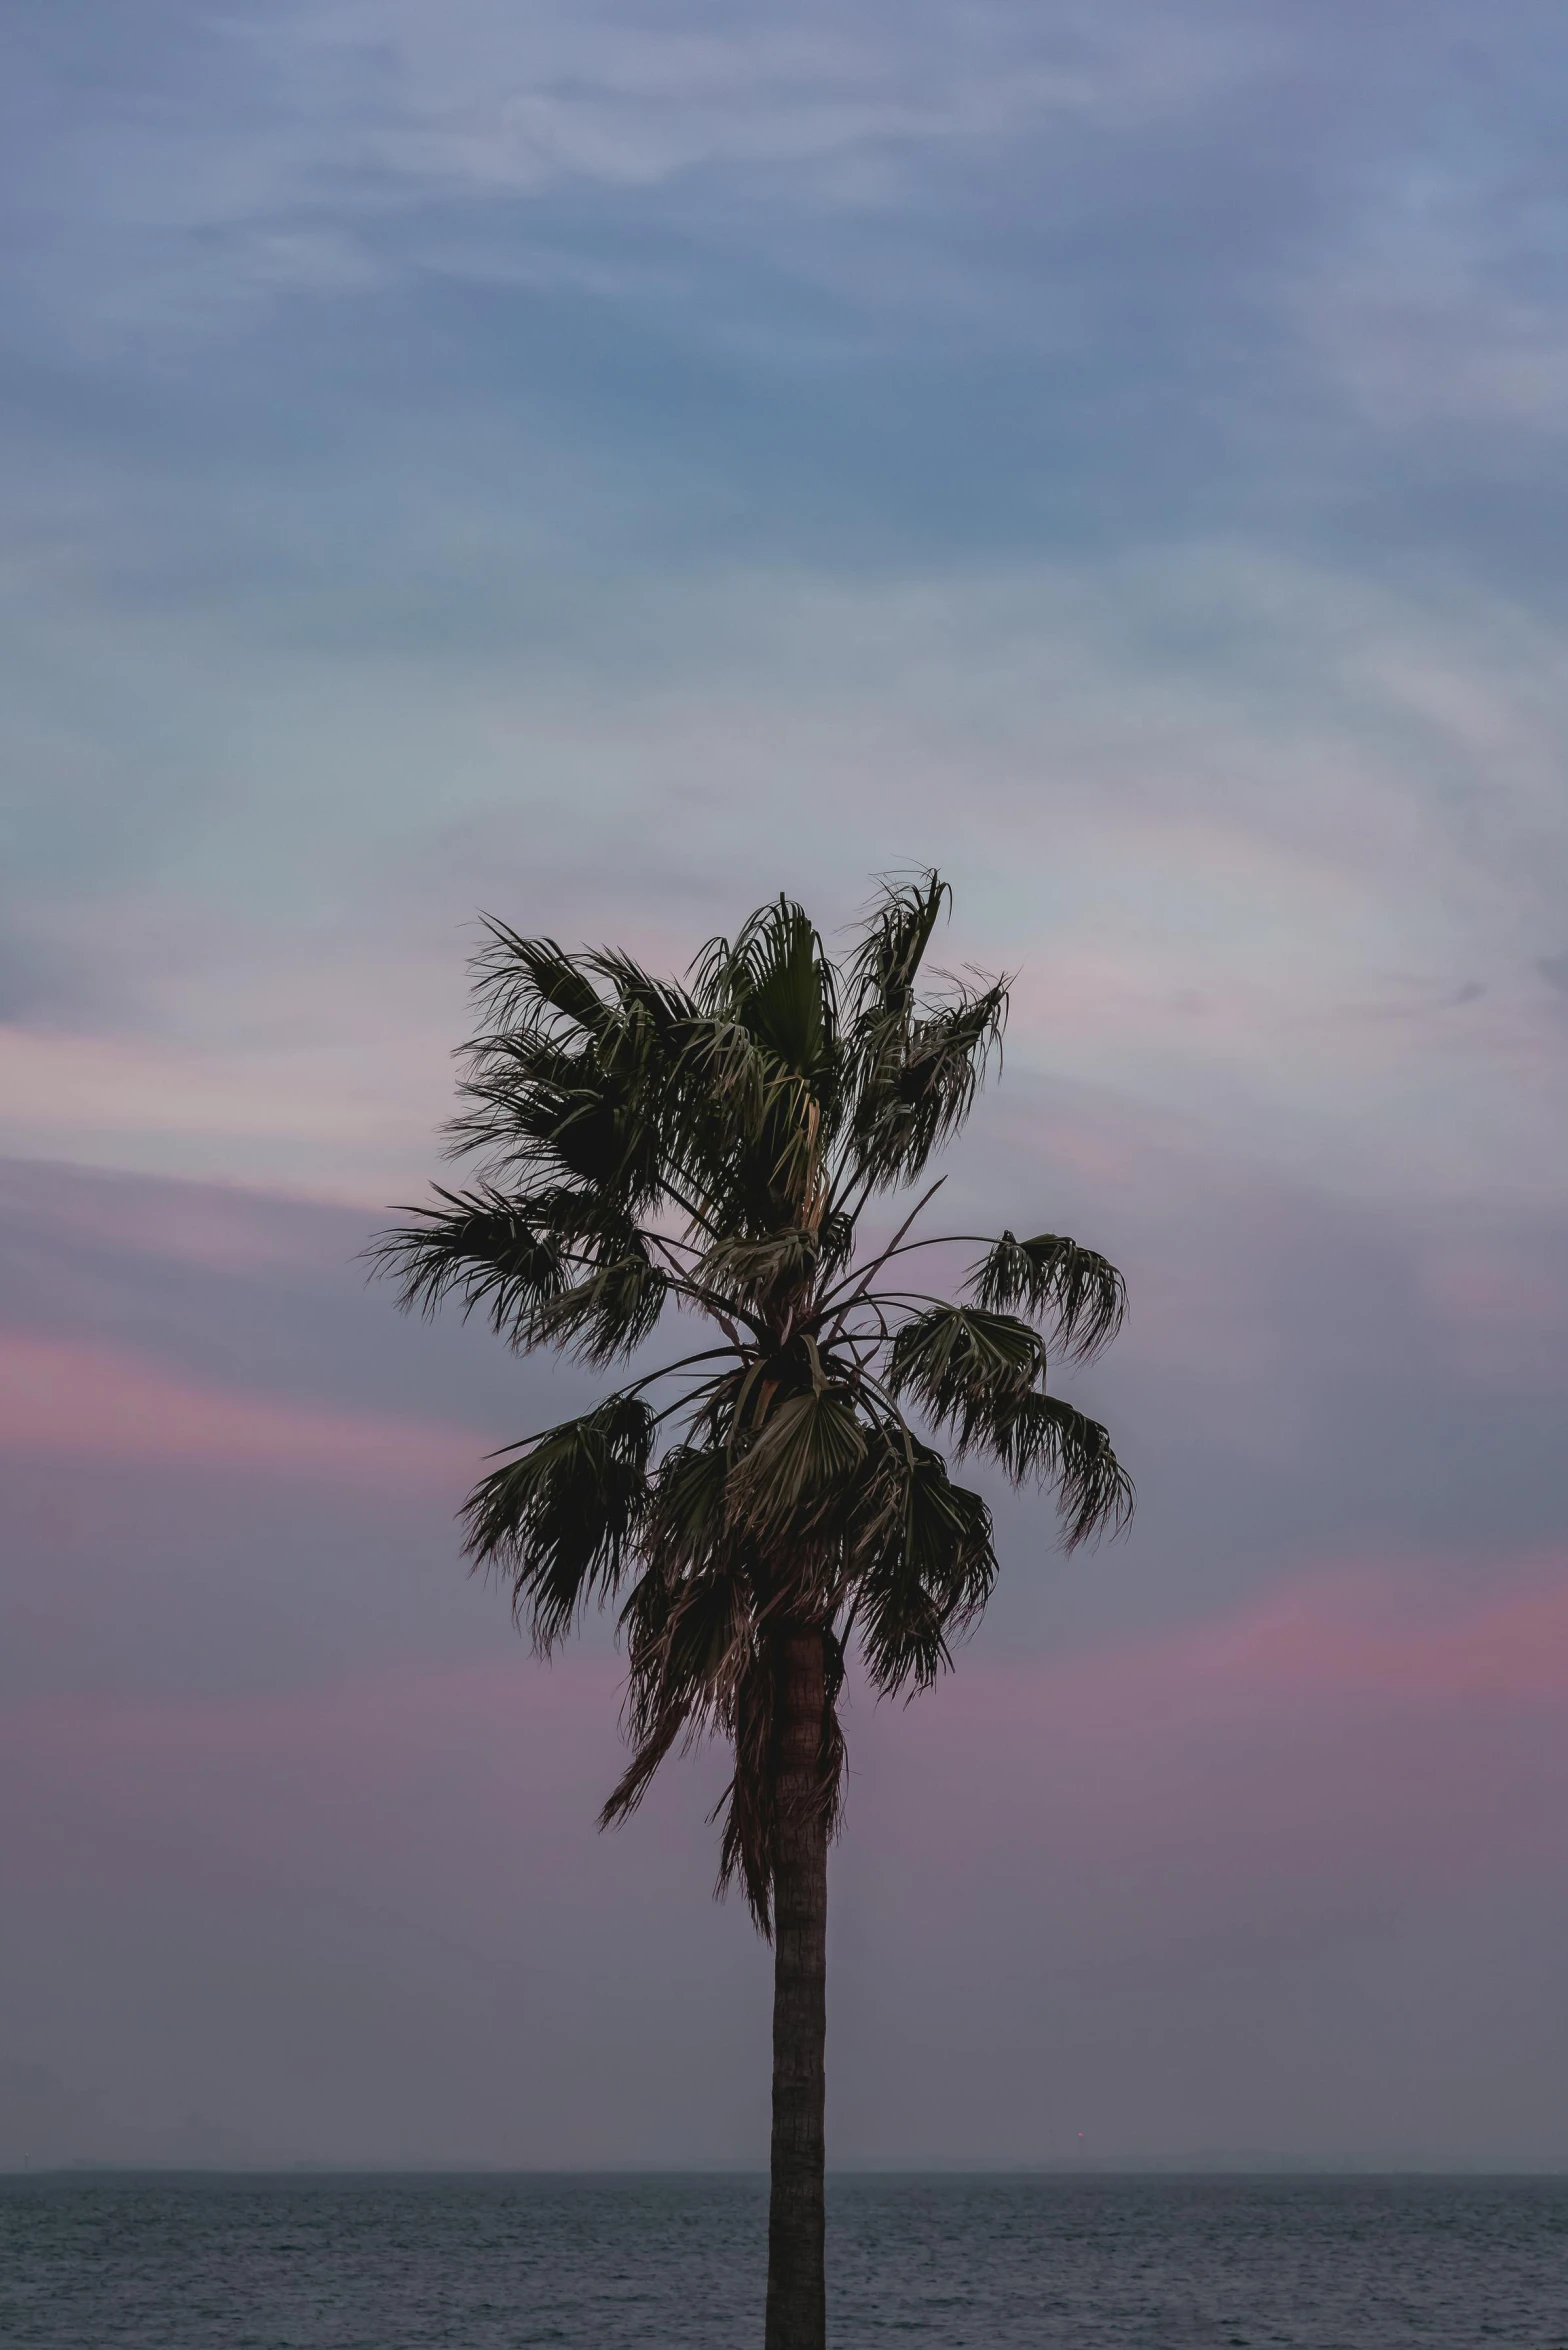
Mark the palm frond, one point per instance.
(1045, 1439)
(534, 983)
(920, 1078)
(800, 1466)
(884, 968)
(661, 1007)
(570, 1081)
(776, 981)
(749, 1808)
(966, 1369)
(482, 1248)
(756, 1127)
(687, 1513)
(551, 1268)
(585, 1124)
(923, 1565)
(561, 1522)
(1052, 1279)
(776, 1268)
(609, 1314)
(689, 1639)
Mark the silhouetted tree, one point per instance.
(761, 1504)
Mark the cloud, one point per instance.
(93, 1404)
(481, 95)
(1268, 1869)
(35, 985)
(843, 418)
(244, 1297)
(1191, 1821)
(1300, 1377)
(611, 465)
(1245, 827)
(1228, 1844)
(1043, 179)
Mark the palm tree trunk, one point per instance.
(797, 2312)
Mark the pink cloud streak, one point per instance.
(1348, 1710)
(102, 1402)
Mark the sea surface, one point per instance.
(163, 2262)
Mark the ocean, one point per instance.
(1087, 2262)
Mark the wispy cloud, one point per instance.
(1269, 844)
(96, 1404)
(607, 465)
(1242, 1848)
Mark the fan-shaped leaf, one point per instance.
(563, 1519)
(1051, 1278)
(966, 1368)
(607, 1315)
(482, 1248)
(923, 1565)
(1047, 1440)
(801, 1464)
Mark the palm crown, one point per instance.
(713, 1147)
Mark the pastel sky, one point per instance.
(605, 465)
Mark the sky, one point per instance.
(603, 466)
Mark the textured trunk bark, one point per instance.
(797, 2312)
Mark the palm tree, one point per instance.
(760, 1504)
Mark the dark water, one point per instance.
(629, 2263)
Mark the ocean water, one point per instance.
(976, 2263)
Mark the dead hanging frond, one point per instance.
(751, 1809)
